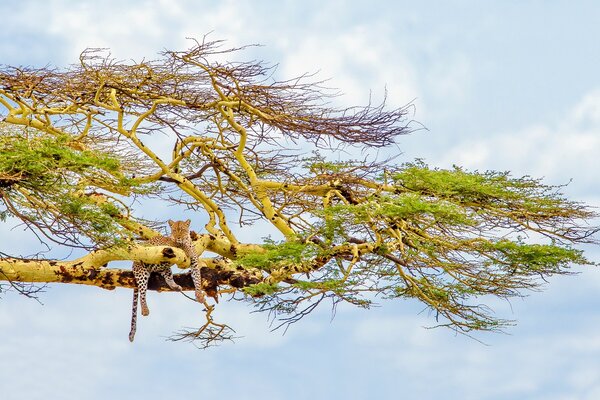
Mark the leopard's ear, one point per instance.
(171, 223)
(187, 222)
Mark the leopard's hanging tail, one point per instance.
(133, 314)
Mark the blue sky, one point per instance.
(499, 84)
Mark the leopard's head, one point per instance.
(180, 230)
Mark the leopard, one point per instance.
(180, 237)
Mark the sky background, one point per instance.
(502, 85)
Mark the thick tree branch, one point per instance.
(216, 272)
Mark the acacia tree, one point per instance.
(74, 153)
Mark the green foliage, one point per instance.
(45, 178)
(537, 258)
(110, 209)
(481, 189)
(40, 161)
(318, 164)
(453, 198)
(327, 285)
(278, 254)
(405, 206)
(447, 237)
(261, 289)
(81, 210)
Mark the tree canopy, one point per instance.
(83, 148)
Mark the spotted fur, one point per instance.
(180, 237)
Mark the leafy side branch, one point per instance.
(79, 147)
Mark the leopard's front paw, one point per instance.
(200, 296)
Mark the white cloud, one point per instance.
(55, 345)
(558, 150)
(357, 60)
(131, 30)
(511, 367)
(587, 112)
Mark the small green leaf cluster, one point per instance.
(98, 219)
(547, 258)
(291, 252)
(318, 164)
(332, 285)
(261, 289)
